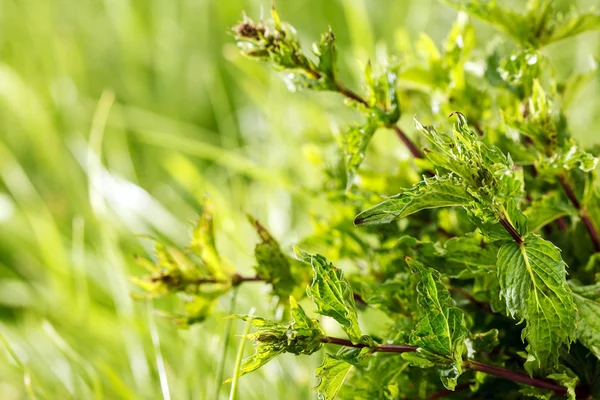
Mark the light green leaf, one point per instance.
(546, 209)
(332, 294)
(441, 331)
(565, 377)
(301, 336)
(577, 158)
(204, 245)
(430, 193)
(331, 376)
(272, 265)
(573, 24)
(381, 82)
(587, 301)
(356, 141)
(532, 278)
(539, 25)
(327, 54)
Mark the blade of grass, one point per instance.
(223, 359)
(239, 356)
(160, 363)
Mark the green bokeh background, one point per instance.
(116, 118)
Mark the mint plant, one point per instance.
(485, 262)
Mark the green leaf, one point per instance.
(430, 193)
(533, 283)
(327, 54)
(272, 265)
(483, 342)
(506, 20)
(331, 375)
(484, 172)
(332, 294)
(301, 336)
(546, 209)
(577, 158)
(204, 245)
(539, 26)
(567, 378)
(356, 141)
(441, 331)
(587, 301)
(382, 98)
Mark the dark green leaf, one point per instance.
(441, 331)
(533, 283)
(430, 193)
(587, 301)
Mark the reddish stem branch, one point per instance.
(351, 95)
(473, 365)
(381, 348)
(514, 376)
(511, 230)
(583, 214)
(414, 150)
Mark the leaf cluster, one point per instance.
(482, 262)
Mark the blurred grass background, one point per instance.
(116, 118)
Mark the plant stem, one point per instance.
(514, 376)
(510, 229)
(344, 91)
(349, 94)
(414, 150)
(473, 365)
(381, 348)
(583, 214)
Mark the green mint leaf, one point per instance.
(356, 141)
(272, 265)
(468, 255)
(533, 283)
(441, 331)
(331, 375)
(301, 336)
(539, 26)
(587, 301)
(482, 342)
(546, 209)
(430, 193)
(574, 157)
(332, 294)
(513, 24)
(567, 378)
(516, 73)
(572, 24)
(203, 244)
(382, 96)
(327, 54)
